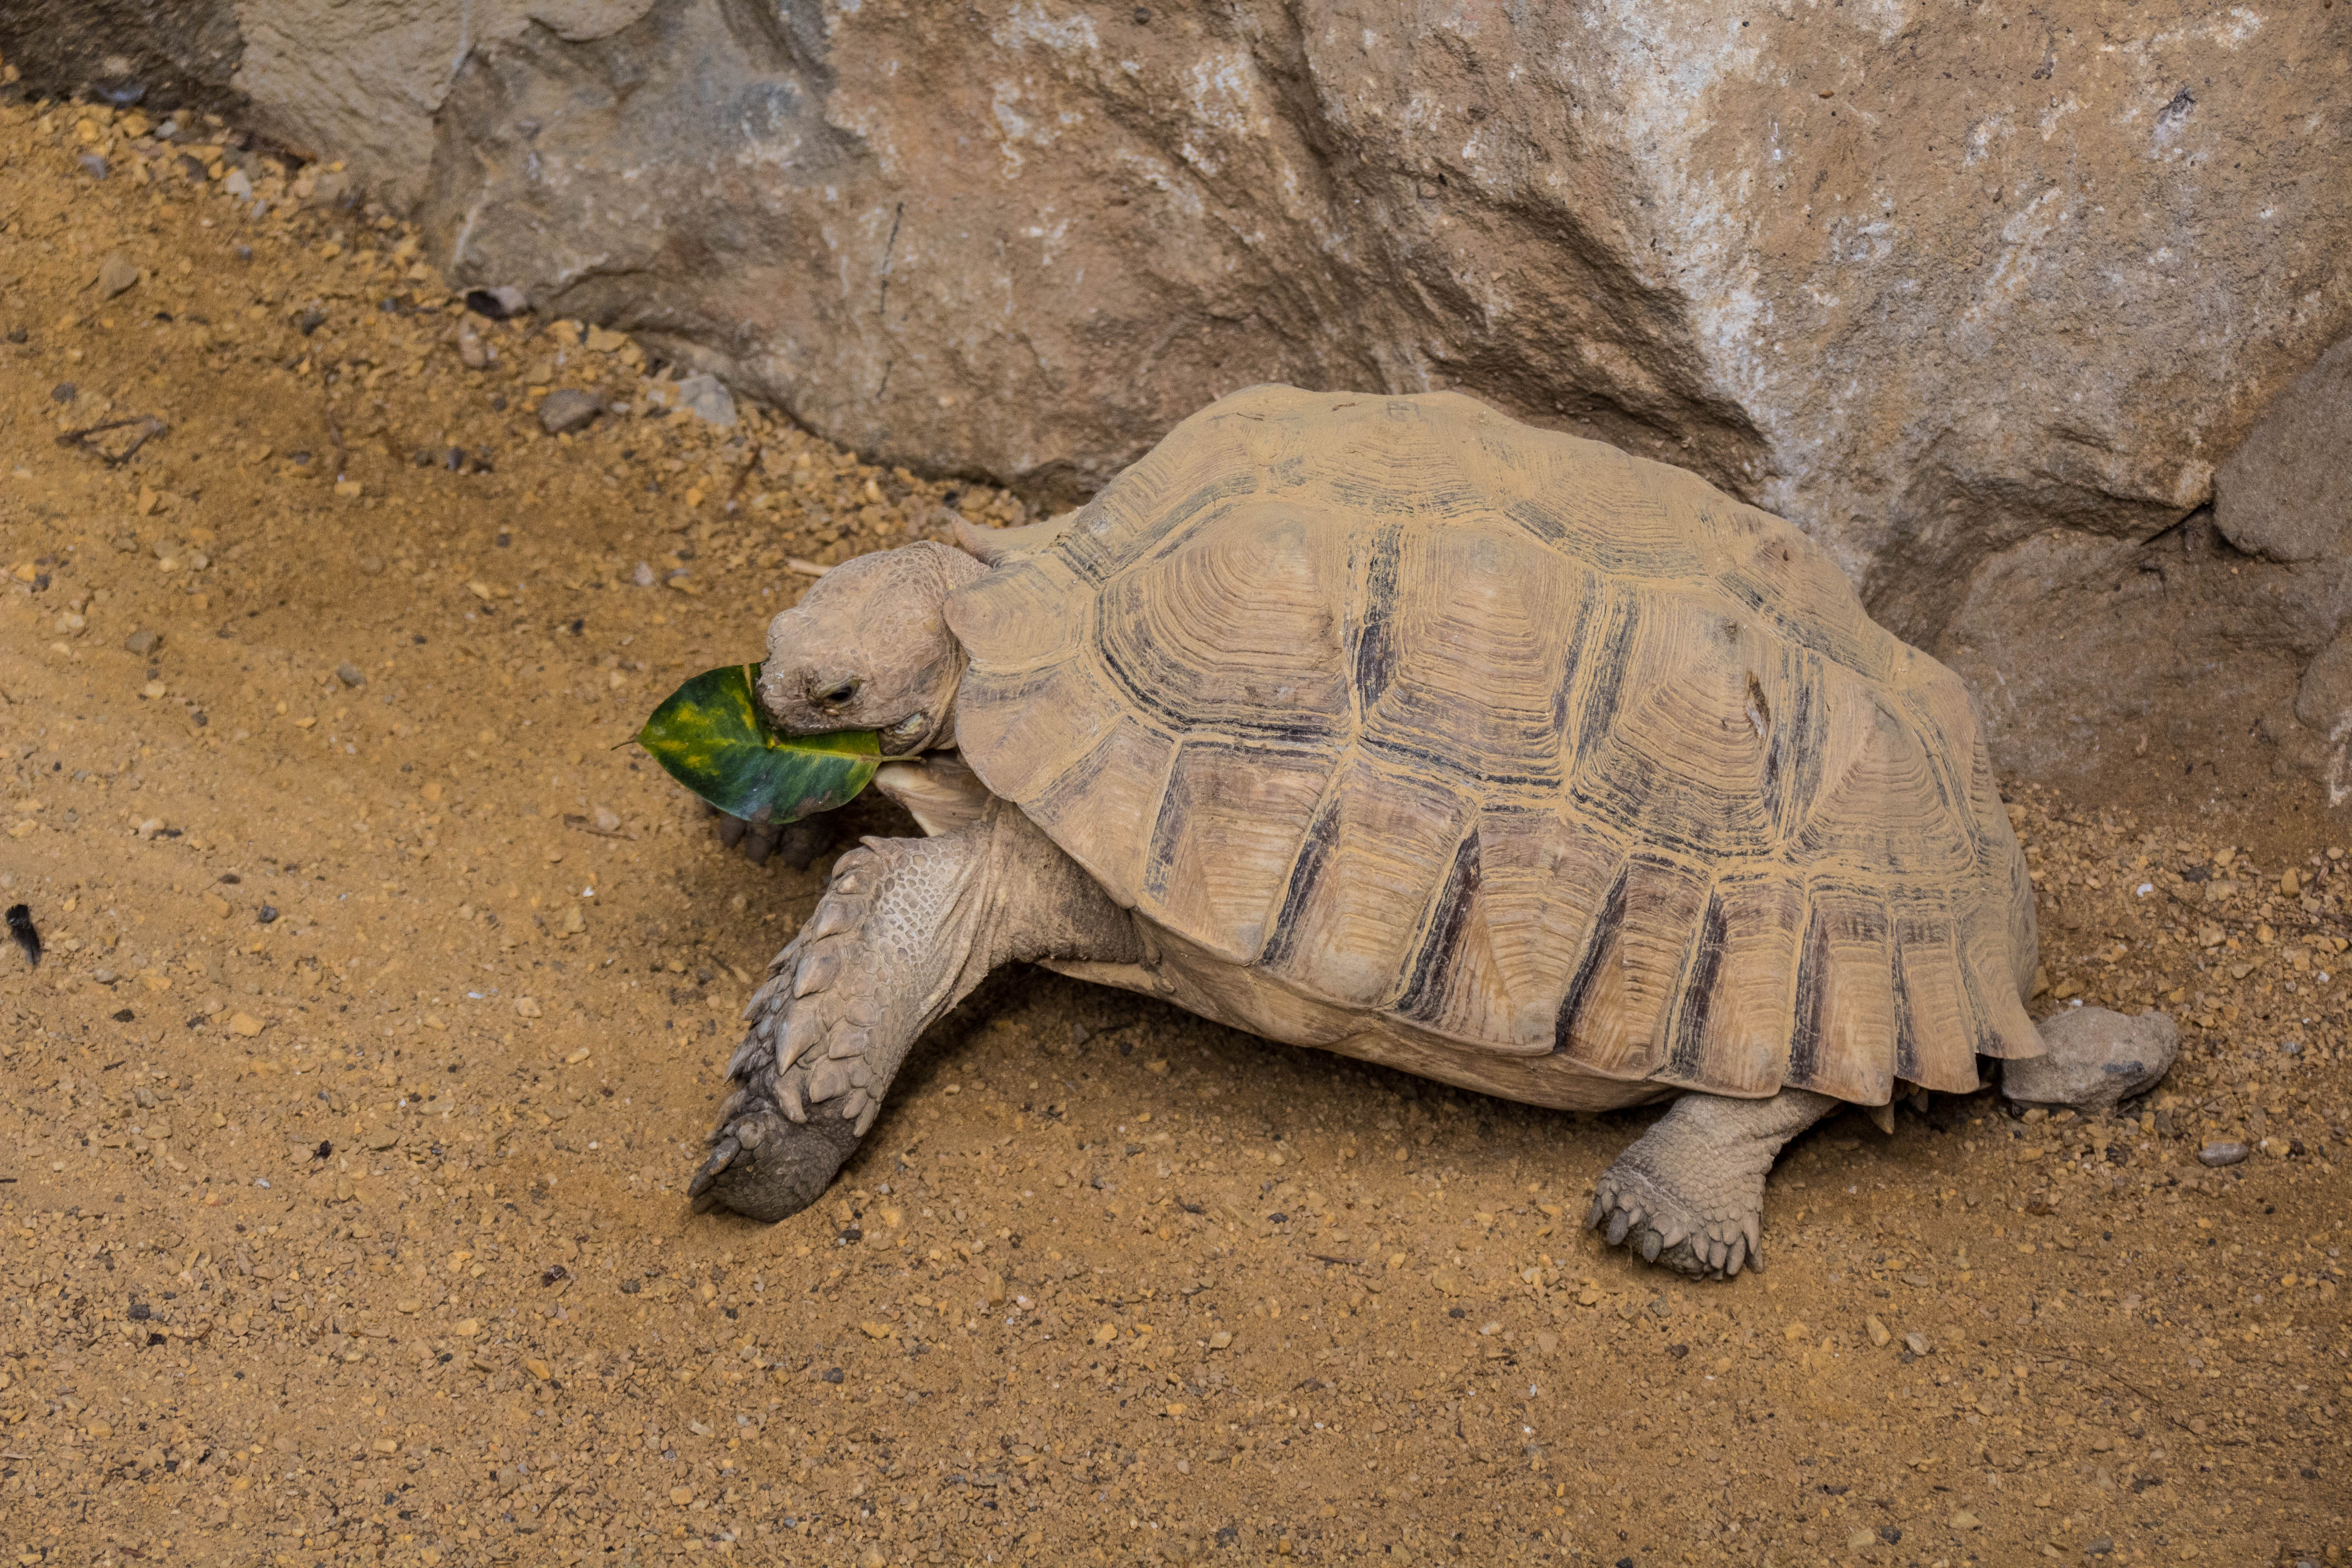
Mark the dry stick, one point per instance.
(2140, 1393)
(80, 439)
(741, 473)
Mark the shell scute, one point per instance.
(1235, 629)
(1228, 826)
(1843, 1040)
(1359, 894)
(1731, 1026)
(1612, 1020)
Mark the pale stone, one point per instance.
(2096, 1058)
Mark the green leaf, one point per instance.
(712, 737)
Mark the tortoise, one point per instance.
(1390, 725)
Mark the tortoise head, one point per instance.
(867, 648)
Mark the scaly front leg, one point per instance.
(906, 929)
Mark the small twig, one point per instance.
(2152, 1403)
(805, 568)
(744, 472)
(1326, 1257)
(82, 438)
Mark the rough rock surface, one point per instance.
(2286, 491)
(2322, 721)
(1941, 285)
(126, 52)
(2088, 652)
(2097, 1059)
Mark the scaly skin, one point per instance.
(1689, 1194)
(906, 929)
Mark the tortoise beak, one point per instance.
(906, 736)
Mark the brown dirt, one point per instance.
(355, 1233)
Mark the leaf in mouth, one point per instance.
(711, 736)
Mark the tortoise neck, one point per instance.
(957, 570)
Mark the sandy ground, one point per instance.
(384, 1003)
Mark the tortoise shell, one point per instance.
(1520, 743)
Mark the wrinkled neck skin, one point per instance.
(956, 570)
(940, 735)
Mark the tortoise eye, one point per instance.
(839, 694)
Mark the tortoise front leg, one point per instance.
(1689, 1192)
(906, 929)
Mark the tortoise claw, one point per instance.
(720, 1158)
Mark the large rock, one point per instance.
(1963, 291)
(2174, 659)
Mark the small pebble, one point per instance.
(143, 642)
(116, 274)
(568, 410)
(350, 674)
(2221, 1152)
(707, 398)
(473, 350)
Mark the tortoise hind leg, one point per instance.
(1689, 1192)
(906, 929)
